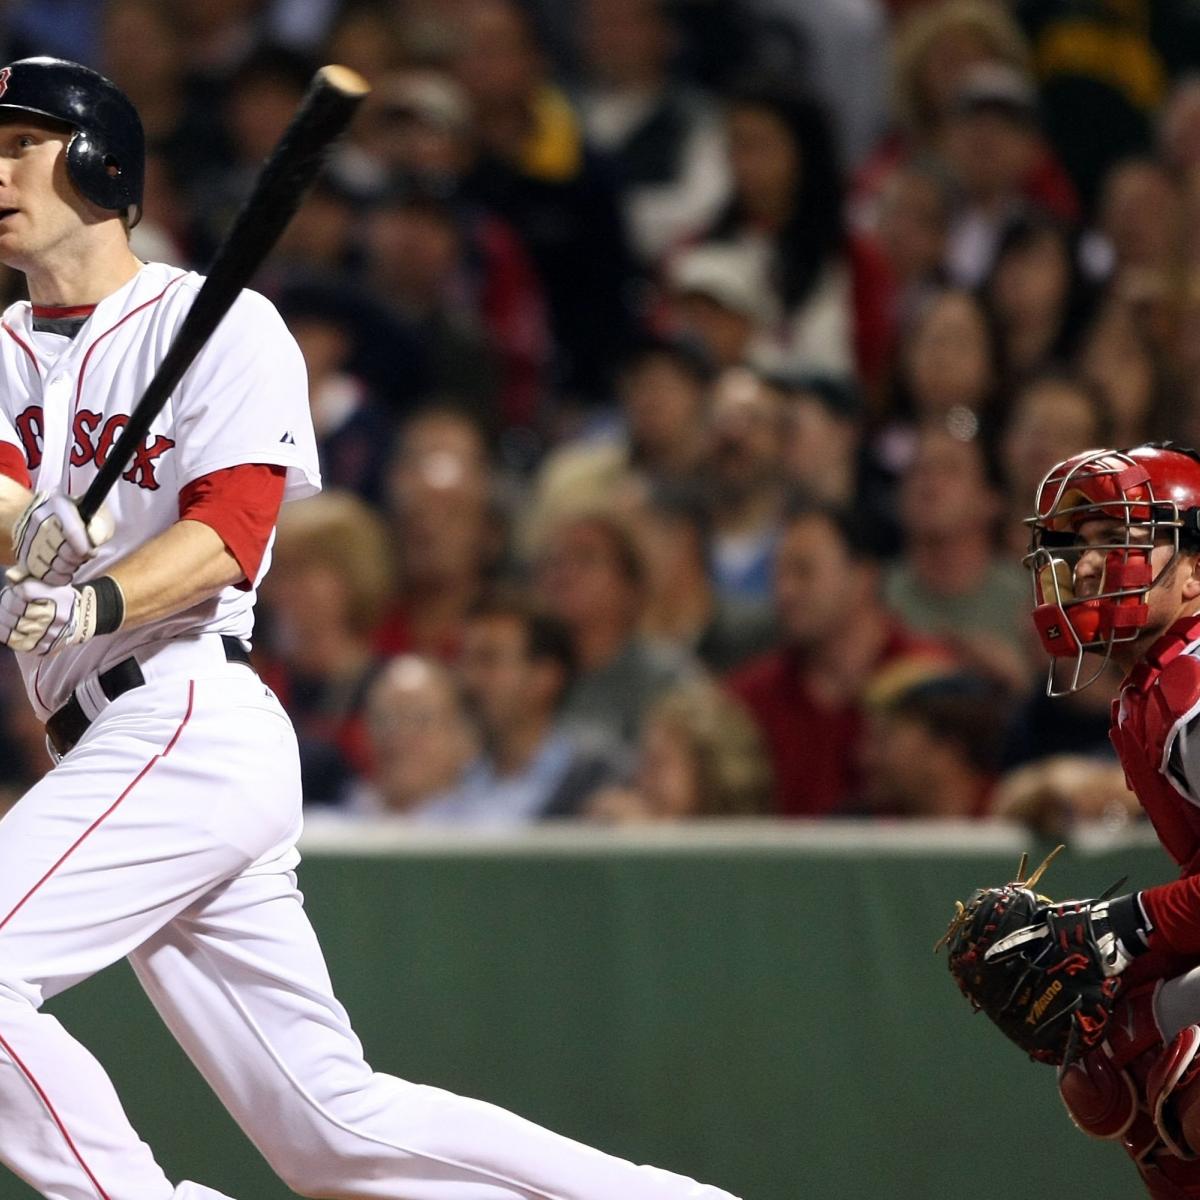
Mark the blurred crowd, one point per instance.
(682, 372)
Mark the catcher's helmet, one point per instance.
(1153, 492)
(106, 157)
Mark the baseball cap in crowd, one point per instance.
(728, 275)
(997, 88)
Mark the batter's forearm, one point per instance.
(184, 565)
(14, 499)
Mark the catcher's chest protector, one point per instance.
(1162, 691)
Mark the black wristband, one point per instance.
(1130, 923)
(110, 603)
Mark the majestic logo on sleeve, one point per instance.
(94, 438)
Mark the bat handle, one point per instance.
(17, 574)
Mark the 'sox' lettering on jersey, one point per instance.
(141, 471)
(90, 448)
(84, 449)
(31, 428)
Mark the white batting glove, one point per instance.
(36, 618)
(51, 542)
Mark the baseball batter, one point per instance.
(166, 831)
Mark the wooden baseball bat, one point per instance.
(330, 102)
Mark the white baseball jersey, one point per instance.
(167, 834)
(65, 400)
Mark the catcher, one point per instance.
(1106, 988)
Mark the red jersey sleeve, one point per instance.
(241, 504)
(13, 465)
(1174, 911)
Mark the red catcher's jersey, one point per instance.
(1160, 697)
(1161, 694)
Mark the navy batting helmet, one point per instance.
(106, 157)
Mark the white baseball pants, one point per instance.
(167, 835)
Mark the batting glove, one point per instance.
(38, 619)
(51, 542)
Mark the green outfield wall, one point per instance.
(757, 1006)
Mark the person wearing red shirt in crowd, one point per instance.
(331, 578)
(1116, 564)
(838, 639)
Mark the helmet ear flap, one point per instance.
(99, 175)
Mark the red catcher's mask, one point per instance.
(1153, 493)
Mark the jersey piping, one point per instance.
(83, 366)
(12, 333)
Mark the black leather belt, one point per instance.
(70, 723)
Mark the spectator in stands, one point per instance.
(324, 238)
(1179, 129)
(823, 451)
(419, 266)
(1118, 356)
(449, 529)
(1147, 226)
(1142, 240)
(536, 172)
(354, 429)
(807, 697)
(699, 755)
(256, 105)
(367, 39)
(935, 47)
(1037, 296)
(330, 578)
(665, 141)
(933, 749)
(420, 129)
(822, 432)
(517, 665)
(1100, 103)
(418, 121)
(953, 581)
(217, 37)
(673, 525)
(144, 48)
(947, 374)
(841, 46)
(745, 474)
(949, 361)
(663, 389)
(1054, 415)
(590, 575)
(910, 234)
(1140, 215)
(785, 213)
(990, 144)
(421, 738)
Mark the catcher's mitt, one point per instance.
(1041, 972)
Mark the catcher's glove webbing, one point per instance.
(1043, 973)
